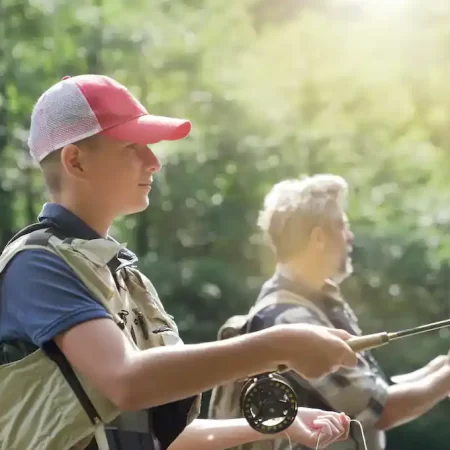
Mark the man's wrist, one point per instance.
(436, 385)
(278, 341)
(281, 342)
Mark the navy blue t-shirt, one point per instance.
(41, 296)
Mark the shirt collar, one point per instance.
(65, 219)
(60, 217)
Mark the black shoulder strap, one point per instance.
(50, 348)
(47, 230)
(27, 230)
(58, 357)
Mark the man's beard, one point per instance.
(345, 270)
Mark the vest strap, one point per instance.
(56, 355)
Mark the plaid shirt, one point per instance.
(360, 392)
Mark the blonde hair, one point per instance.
(51, 165)
(294, 207)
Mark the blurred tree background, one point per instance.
(274, 89)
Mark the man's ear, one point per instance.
(73, 161)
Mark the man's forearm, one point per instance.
(216, 435)
(408, 401)
(165, 374)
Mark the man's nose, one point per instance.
(350, 237)
(151, 161)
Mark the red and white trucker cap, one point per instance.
(81, 106)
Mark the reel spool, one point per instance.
(268, 403)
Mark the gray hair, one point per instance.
(294, 207)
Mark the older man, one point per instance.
(307, 226)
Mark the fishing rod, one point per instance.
(269, 403)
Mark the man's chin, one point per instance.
(344, 274)
(135, 209)
(142, 207)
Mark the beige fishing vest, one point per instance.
(38, 409)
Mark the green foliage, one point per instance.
(274, 90)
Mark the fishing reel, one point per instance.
(268, 403)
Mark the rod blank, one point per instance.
(421, 329)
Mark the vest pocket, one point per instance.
(38, 408)
(155, 325)
(167, 336)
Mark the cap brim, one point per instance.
(150, 129)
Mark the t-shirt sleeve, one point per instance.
(44, 297)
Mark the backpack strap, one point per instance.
(52, 230)
(241, 324)
(27, 230)
(277, 296)
(58, 357)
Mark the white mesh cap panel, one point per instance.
(61, 116)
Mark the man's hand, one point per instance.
(438, 362)
(314, 426)
(314, 351)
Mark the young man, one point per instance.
(307, 227)
(86, 337)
